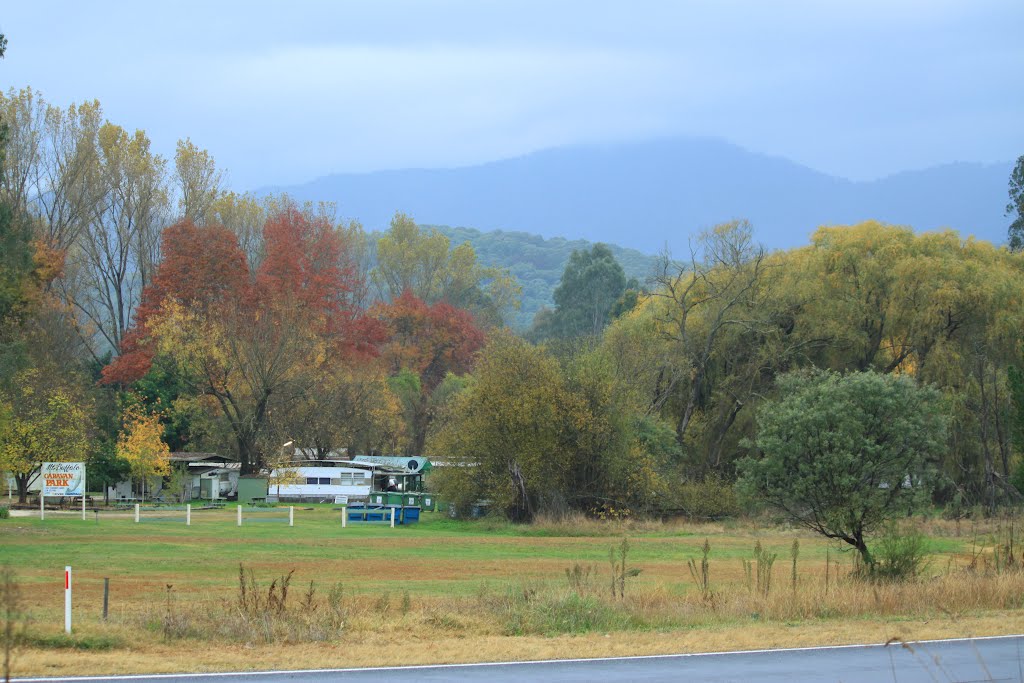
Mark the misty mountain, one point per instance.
(652, 194)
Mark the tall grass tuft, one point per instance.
(758, 571)
(620, 572)
(702, 576)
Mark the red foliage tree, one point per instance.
(257, 340)
(202, 269)
(430, 341)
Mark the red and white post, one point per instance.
(67, 600)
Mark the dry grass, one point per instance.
(480, 594)
(418, 647)
(574, 523)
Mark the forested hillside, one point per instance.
(537, 263)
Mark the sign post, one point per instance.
(61, 479)
(67, 600)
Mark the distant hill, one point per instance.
(652, 194)
(538, 263)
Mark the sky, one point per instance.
(286, 92)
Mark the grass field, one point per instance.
(444, 591)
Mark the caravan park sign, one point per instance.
(63, 478)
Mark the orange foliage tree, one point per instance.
(428, 342)
(254, 341)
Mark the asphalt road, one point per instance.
(945, 661)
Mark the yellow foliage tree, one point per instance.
(141, 445)
(41, 423)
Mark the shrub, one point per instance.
(5, 512)
(899, 555)
(711, 498)
(529, 611)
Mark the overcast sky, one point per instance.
(285, 92)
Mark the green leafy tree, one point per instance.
(843, 454)
(104, 469)
(591, 286)
(1016, 206)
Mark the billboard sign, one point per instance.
(63, 478)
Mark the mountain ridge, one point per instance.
(657, 193)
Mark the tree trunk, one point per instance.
(21, 481)
(524, 511)
(865, 554)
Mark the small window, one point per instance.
(311, 480)
(335, 482)
(325, 480)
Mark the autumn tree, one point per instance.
(244, 215)
(255, 343)
(431, 342)
(141, 445)
(697, 305)
(49, 147)
(197, 179)
(352, 408)
(45, 422)
(117, 249)
(933, 306)
(423, 262)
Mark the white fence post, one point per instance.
(291, 515)
(42, 505)
(344, 516)
(188, 514)
(392, 518)
(83, 507)
(136, 513)
(239, 508)
(67, 600)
